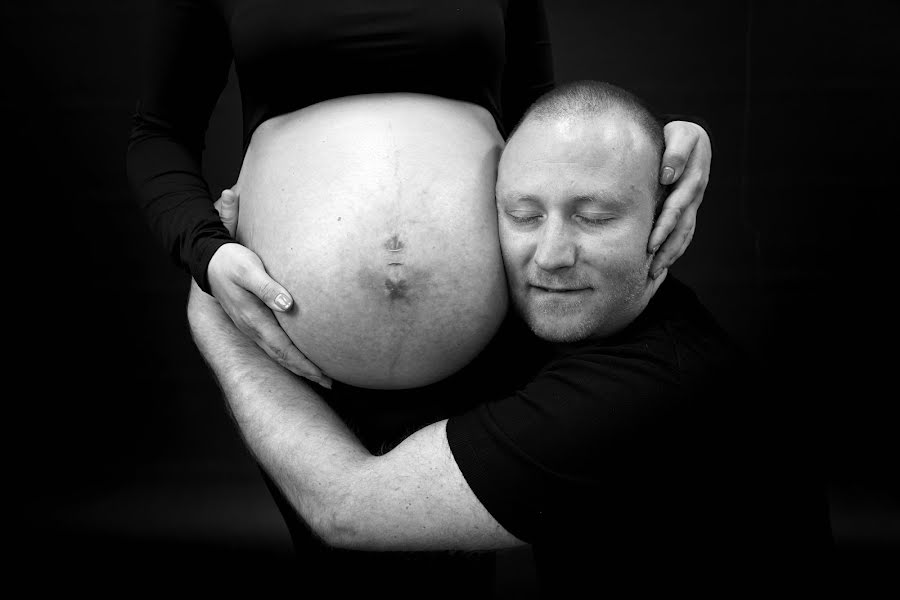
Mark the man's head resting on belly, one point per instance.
(577, 195)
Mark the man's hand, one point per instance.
(238, 280)
(685, 164)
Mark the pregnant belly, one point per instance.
(377, 213)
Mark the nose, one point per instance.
(556, 249)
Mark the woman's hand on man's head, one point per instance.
(685, 166)
(239, 281)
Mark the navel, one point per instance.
(395, 287)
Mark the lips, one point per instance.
(559, 290)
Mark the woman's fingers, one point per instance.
(240, 283)
(249, 270)
(680, 142)
(678, 213)
(260, 326)
(685, 165)
(252, 276)
(227, 207)
(679, 145)
(676, 242)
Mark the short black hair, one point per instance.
(588, 98)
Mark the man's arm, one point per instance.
(412, 498)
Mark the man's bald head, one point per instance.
(591, 99)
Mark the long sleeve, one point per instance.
(188, 56)
(529, 60)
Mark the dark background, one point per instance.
(127, 469)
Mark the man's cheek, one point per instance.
(515, 266)
(510, 249)
(513, 238)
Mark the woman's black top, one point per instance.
(289, 55)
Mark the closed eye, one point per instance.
(593, 219)
(523, 218)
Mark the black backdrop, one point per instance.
(126, 466)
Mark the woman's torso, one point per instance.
(377, 213)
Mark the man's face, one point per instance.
(575, 207)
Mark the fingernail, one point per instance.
(227, 197)
(654, 249)
(282, 302)
(655, 273)
(668, 175)
(325, 383)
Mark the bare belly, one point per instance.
(377, 213)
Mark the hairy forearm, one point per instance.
(284, 423)
(412, 498)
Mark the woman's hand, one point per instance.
(238, 280)
(686, 161)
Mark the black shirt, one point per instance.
(645, 460)
(289, 55)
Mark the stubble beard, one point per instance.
(586, 318)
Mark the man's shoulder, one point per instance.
(678, 317)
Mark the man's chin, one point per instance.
(558, 330)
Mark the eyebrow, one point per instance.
(601, 200)
(605, 200)
(518, 197)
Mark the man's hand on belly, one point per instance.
(239, 281)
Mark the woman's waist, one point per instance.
(405, 109)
